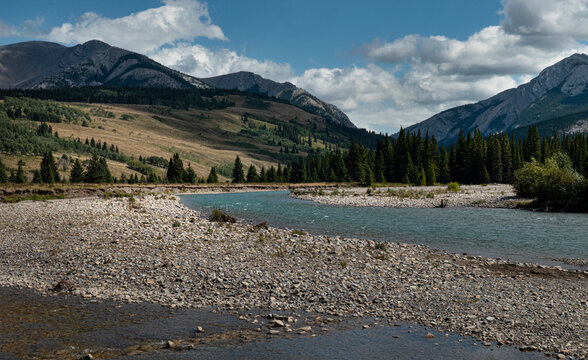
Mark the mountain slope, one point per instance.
(252, 83)
(38, 64)
(557, 91)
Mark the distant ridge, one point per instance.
(253, 83)
(556, 100)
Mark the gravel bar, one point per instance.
(151, 248)
(488, 196)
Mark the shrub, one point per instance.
(554, 184)
(453, 186)
(219, 216)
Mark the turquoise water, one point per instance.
(517, 235)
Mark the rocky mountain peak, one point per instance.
(558, 90)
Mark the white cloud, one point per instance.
(546, 18)
(200, 61)
(143, 31)
(5, 30)
(377, 99)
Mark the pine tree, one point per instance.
(175, 169)
(48, 171)
(19, 176)
(532, 144)
(152, 178)
(262, 175)
(3, 177)
(444, 169)
(37, 177)
(252, 175)
(76, 174)
(97, 170)
(238, 174)
(272, 175)
(212, 177)
(189, 175)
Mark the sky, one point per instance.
(386, 64)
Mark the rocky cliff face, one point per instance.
(561, 84)
(38, 64)
(252, 83)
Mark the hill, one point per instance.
(556, 101)
(207, 127)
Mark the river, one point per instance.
(516, 235)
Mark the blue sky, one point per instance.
(385, 63)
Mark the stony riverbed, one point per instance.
(489, 196)
(153, 249)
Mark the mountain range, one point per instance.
(38, 64)
(556, 101)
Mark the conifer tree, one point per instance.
(252, 175)
(238, 174)
(3, 177)
(212, 177)
(262, 175)
(189, 175)
(272, 175)
(76, 174)
(152, 178)
(444, 172)
(48, 171)
(175, 169)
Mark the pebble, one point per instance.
(491, 196)
(104, 250)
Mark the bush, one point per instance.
(453, 186)
(219, 216)
(554, 184)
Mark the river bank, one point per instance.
(489, 196)
(150, 248)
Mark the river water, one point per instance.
(517, 235)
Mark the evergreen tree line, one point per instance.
(413, 159)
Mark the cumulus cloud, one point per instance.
(377, 98)
(143, 31)
(5, 30)
(546, 18)
(200, 61)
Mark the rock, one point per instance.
(366, 326)
(490, 318)
(277, 323)
(429, 336)
(87, 357)
(274, 332)
(199, 329)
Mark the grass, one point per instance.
(453, 186)
(15, 198)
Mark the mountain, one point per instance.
(46, 65)
(556, 100)
(39, 64)
(252, 83)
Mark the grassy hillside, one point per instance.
(261, 131)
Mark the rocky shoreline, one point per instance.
(489, 196)
(150, 248)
